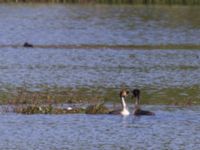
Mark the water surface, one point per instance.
(99, 24)
(107, 68)
(43, 24)
(171, 128)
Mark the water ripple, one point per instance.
(168, 129)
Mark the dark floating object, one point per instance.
(137, 110)
(26, 44)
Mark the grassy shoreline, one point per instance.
(90, 100)
(153, 96)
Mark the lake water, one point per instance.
(171, 128)
(99, 24)
(107, 68)
(45, 24)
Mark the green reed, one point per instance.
(89, 95)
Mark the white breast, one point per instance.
(125, 112)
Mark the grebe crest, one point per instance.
(123, 93)
(136, 94)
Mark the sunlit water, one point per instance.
(99, 24)
(171, 128)
(107, 68)
(45, 24)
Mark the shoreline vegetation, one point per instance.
(107, 46)
(89, 100)
(133, 2)
(94, 95)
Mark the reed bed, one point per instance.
(92, 96)
(52, 109)
(169, 2)
(89, 100)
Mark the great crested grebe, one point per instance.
(124, 111)
(137, 110)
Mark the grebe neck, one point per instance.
(125, 110)
(123, 103)
(137, 105)
(137, 101)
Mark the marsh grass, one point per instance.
(51, 109)
(172, 96)
(46, 109)
(91, 95)
(46, 101)
(97, 109)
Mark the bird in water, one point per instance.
(124, 111)
(26, 44)
(137, 110)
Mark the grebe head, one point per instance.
(136, 94)
(124, 93)
(137, 110)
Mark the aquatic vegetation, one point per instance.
(48, 109)
(104, 46)
(32, 109)
(68, 111)
(26, 102)
(97, 109)
(82, 95)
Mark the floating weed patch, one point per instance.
(34, 109)
(47, 110)
(97, 109)
(67, 111)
